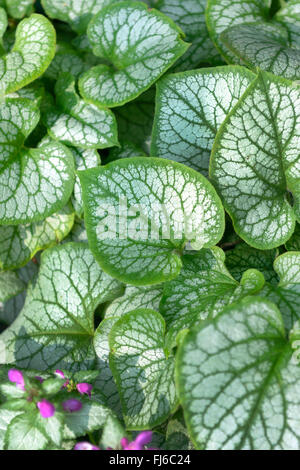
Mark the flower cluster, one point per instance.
(46, 408)
(142, 439)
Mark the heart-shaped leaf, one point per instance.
(144, 374)
(222, 14)
(255, 162)
(77, 123)
(190, 107)
(261, 45)
(141, 212)
(32, 53)
(202, 289)
(140, 44)
(59, 311)
(34, 183)
(237, 382)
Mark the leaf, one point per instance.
(293, 244)
(32, 53)
(244, 257)
(6, 416)
(237, 382)
(92, 416)
(190, 17)
(35, 183)
(261, 45)
(76, 123)
(84, 159)
(132, 299)
(140, 212)
(222, 14)
(190, 107)
(3, 26)
(203, 289)
(286, 294)
(144, 374)
(59, 311)
(77, 13)
(255, 162)
(66, 59)
(19, 243)
(140, 44)
(19, 8)
(126, 150)
(289, 16)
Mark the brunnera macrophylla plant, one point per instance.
(150, 225)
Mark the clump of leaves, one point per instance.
(149, 224)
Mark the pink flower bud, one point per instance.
(46, 408)
(16, 376)
(85, 446)
(60, 374)
(72, 405)
(84, 388)
(140, 441)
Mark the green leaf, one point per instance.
(222, 14)
(55, 328)
(144, 374)
(237, 382)
(3, 26)
(112, 433)
(23, 433)
(126, 150)
(10, 285)
(289, 16)
(190, 107)
(67, 59)
(293, 244)
(6, 416)
(19, 8)
(255, 162)
(92, 416)
(190, 17)
(135, 297)
(76, 123)
(19, 243)
(84, 159)
(244, 257)
(286, 294)
(261, 45)
(77, 13)
(32, 53)
(35, 183)
(202, 289)
(140, 44)
(141, 212)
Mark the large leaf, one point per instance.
(34, 183)
(140, 44)
(261, 45)
(202, 289)
(237, 381)
(289, 16)
(222, 14)
(190, 17)
(55, 328)
(190, 107)
(141, 212)
(286, 294)
(31, 55)
(77, 13)
(144, 374)
(76, 123)
(255, 162)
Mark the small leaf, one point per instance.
(140, 44)
(10, 285)
(237, 382)
(169, 205)
(77, 123)
(203, 288)
(19, 8)
(58, 313)
(67, 59)
(144, 375)
(92, 416)
(31, 55)
(24, 433)
(84, 159)
(261, 45)
(190, 108)
(289, 17)
(255, 162)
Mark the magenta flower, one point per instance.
(40, 379)
(84, 388)
(60, 374)
(85, 446)
(16, 376)
(140, 441)
(46, 408)
(72, 405)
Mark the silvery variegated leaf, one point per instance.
(140, 43)
(141, 212)
(289, 17)
(238, 383)
(190, 107)
(255, 162)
